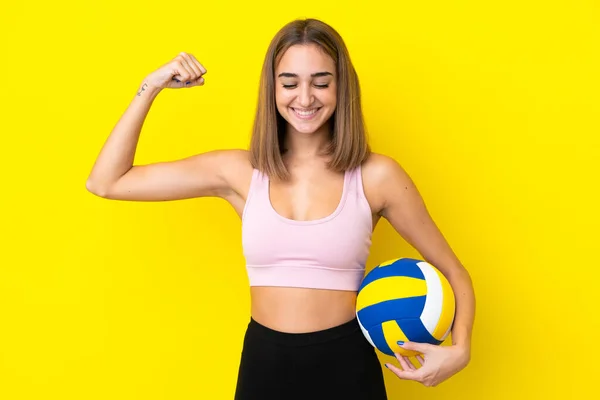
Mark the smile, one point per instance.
(305, 114)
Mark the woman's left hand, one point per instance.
(438, 363)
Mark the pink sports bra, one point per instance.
(326, 253)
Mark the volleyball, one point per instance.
(407, 300)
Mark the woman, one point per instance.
(309, 192)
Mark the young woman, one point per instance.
(309, 192)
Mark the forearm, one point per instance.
(465, 308)
(118, 152)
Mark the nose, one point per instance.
(305, 98)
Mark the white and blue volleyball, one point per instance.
(407, 300)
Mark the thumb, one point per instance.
(197, 82)
(415, 346)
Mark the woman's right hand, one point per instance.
(183, 71)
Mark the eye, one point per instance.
(317, 86)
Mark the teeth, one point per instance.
(306, 113)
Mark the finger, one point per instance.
(196, 72)
(421, 360)
(200, 66)
(409, 363)
(188, 73)
(403, 363)
(185, 71)
(422, 348)
(410, 375)
(197, 82)
(180, 73)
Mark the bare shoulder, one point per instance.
(381, 166)
(383, 177)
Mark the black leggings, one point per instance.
(335, 363)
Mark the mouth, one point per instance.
(305, 114)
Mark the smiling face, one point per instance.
(305, 90)
(306, 73)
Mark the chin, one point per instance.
(307, 129)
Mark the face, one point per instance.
(305, 84)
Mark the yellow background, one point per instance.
(492, 107)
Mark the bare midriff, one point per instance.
(300, 310)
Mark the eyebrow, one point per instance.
(291, 75)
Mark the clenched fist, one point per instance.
(183, 71)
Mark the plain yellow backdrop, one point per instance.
(492, 108)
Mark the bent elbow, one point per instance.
(96, 189)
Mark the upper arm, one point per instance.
(403, 207)
(201, 175)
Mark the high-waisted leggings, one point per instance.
(335, 363)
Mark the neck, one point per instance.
(307, 145)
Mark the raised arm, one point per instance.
(114, 176)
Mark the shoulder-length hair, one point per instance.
(348, 146)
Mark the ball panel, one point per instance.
(376, 314)
(446, 320)
(445, 335)
(393, 333)
(416, 332)
(402, 267)
(433, 303)
(365, 332)
(387, 288)
(376, 334)
(389, 262)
